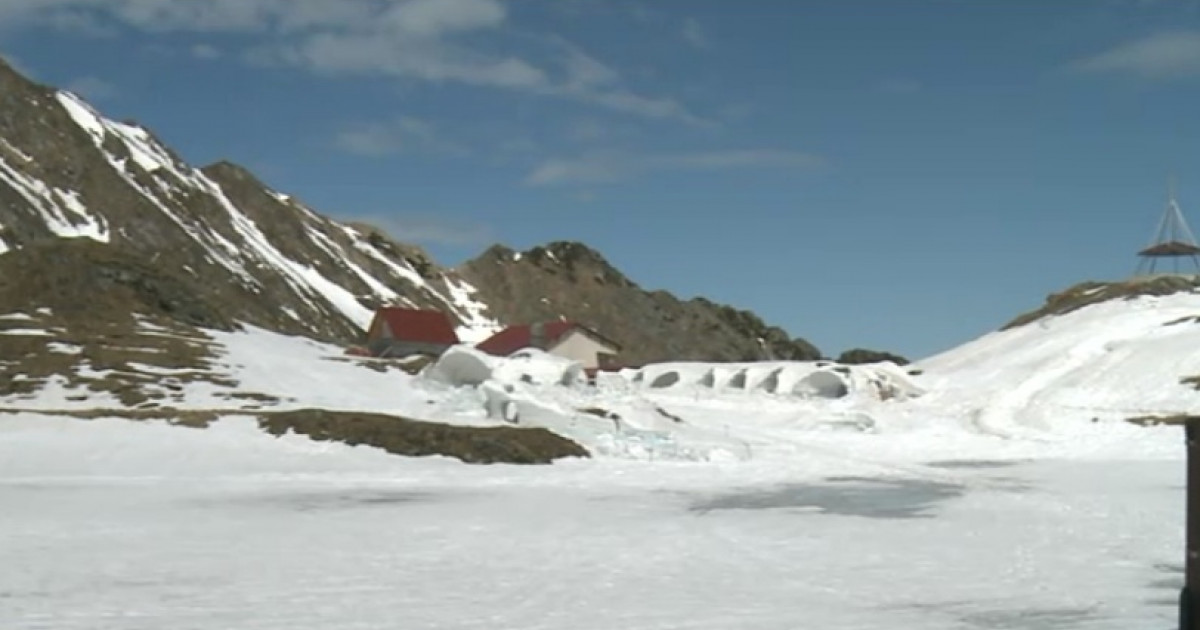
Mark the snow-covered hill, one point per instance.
(1107, 362)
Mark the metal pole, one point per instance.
(1189, 597)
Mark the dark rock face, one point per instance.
(569, 280)
(860, 356)
(85, 280)
(401, 436)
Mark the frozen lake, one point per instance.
(597, 545)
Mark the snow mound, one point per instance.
(537, 367)
(461, 366)
(464, 366)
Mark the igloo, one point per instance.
(461, 366)
(821, 384)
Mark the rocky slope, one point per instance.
(258, 256)
(99, 219)
(571, 281)
(1089, 293)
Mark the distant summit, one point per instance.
(566, 280)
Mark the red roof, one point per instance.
(410, 324)
(518, 337)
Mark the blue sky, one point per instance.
(904, 175)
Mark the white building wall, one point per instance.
(577, 346)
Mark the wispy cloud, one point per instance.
(93, 88)
(433, 229)
(591, 131)
(694, 33)
(468, 42)
(206, 51)
(612, 167)
(403, 134)
(1160, 56)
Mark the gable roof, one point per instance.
(410, 324)
(517, 337)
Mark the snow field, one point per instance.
(983, 496)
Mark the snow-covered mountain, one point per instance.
(259, 256)
(66, 172)
(126, 273)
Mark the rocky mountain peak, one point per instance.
(569, 280)
(569, 253)
(232, 170)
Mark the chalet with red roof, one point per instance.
(569, 340)
(402, 332)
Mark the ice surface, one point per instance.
(229, 528)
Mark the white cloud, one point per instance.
(462, 41)
(92, 88)
(404, 134)
(611, 167)
(694, 33)
(434, 229)
(584, 72)
(383, 54)
(206, 51)
(1163, 55)
(592, 131)
(433, 18)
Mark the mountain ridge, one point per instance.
(264, 258)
